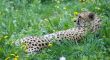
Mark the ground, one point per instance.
(24, 18)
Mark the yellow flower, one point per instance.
(49, 45)
(15, 58)
(24, 46)
(26, 51)
(76, 13)
(5, 37)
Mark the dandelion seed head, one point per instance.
(62, 58)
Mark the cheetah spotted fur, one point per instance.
(86, 21)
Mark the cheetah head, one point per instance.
(84, 19)
(88, 20)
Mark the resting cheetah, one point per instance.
(86, 21)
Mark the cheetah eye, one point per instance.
(79, 16)
(91, 15)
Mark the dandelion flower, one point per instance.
(15, 58)
(49, 45)
(76, 13)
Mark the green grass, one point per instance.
(20, 18)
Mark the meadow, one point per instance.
(20, 18)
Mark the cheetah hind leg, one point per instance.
(29, 44)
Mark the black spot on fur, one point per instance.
(29, 42)
(46, 43)
(38, 41)
(57, 36)
(39, 44)
(42, 40)
(35, 44)
(32, 44)
(37, 47)
(42, 44)
(34, 40)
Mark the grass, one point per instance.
(20, 18)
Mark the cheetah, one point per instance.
(86, 22)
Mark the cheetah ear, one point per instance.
(91, 15)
